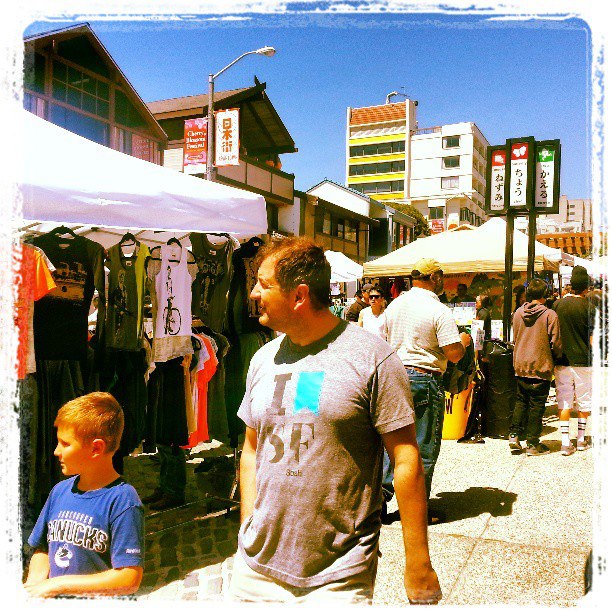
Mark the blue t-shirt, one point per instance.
(86, 532)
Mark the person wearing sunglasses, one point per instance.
(372, 318)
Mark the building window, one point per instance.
(436, 212)
(450, 162)
(34, 72)
(78, 89)
(80, 124)
(382, 148)
(326, 229)
(339, 228)
(381, 187)
(350, 230)
(380, 168)
(450, 182)
(464, 214)
(125, 112)
(450, 142)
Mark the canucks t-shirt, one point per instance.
(86, 532)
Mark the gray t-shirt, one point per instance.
(319, 412)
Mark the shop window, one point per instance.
(450, 162)
(450, 142)
(80, 90)
(436, 212)
(450, 182)
(350, 230)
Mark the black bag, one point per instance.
(500, 387)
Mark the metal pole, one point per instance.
(508, 275)
(531, 238)
(210, 155)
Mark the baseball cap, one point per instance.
(367, 287)
(425, 267)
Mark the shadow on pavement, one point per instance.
(459, 505)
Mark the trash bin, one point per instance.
(500, 388)
(456, 413)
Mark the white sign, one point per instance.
(227, 151)
(478, 334)
(498, 179)
(519, 156)
(464, 315)
(545, 176)
(497, 329)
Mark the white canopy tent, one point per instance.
(68, 179)
(343, 269)
(481, 249)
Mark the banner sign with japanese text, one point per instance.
(547, 176)
(495, 197)
(227, 146)
(196, 145)
(519, 188)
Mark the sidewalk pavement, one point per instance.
(518, 529)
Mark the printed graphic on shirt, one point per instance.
(171, 316)
(70, 278)
(210, 273)
(291, 442)
(251, 268)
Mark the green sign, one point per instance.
(546, 155)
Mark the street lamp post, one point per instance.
(268, 52)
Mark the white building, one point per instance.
(439, 170)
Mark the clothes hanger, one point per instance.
(128, 239)
(64, 231)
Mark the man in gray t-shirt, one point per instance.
(320, 403)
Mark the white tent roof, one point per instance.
(344, 269)
(478, 250)
(68, 179)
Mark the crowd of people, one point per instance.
(340, 415)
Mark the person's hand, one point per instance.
(422, 588)
(466, 339)
(43, 588)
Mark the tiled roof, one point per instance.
(377, 114)
(189, 102)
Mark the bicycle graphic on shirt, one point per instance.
(171, 316)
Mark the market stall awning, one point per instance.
(68, 179)
(343, 269)
(479, 250)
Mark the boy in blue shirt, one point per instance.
(89, 537)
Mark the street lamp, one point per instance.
(268, 52)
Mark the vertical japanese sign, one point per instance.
(226, 137)
(520, 175)
(196, 146)
(495, 197)
(547, 176)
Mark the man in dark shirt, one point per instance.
(362, 299)
(573, 372)
(462, 295)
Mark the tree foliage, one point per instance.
(422, 227)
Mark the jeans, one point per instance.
(531, 394)
(172, 471)
(428, 398)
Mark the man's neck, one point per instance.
(312, 327)
(424, 285)
(101, 477)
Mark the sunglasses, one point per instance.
(375, 297)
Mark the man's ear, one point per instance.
(98, 447)
(302, 294)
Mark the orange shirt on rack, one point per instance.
(34, 281)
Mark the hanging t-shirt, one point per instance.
(171, 302)
(86, 532)
(211, 285)
(60, 318)
(126, 288)
(244, 312)
(33, 281)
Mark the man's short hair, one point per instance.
(536, 290)
(91, 416)
(297, 261)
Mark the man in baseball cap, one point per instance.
(423, 332)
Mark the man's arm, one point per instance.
(420, 579)
(248, 490)
(454, 352)
(122, 581)
(39, 568)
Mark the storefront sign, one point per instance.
(436, 225)
(495, 200)
(497, 329)
(227, 147)
(196, 146)
(548, 160)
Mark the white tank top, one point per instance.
(374, 324)
(173, 289)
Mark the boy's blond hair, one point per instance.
(91, 416)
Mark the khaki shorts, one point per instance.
(249, 585)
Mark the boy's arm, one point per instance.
(39, 568)
(122, 581)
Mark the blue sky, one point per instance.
(511, 78)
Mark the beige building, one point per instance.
(439, 170)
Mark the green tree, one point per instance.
(422, 227)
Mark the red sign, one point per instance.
(196, 146)
(436, 225)
(520, 150)
(499, 158)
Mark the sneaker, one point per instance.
(537, 449)
(515, 445)
(582, 445)
(566, 451)
(153, 497)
